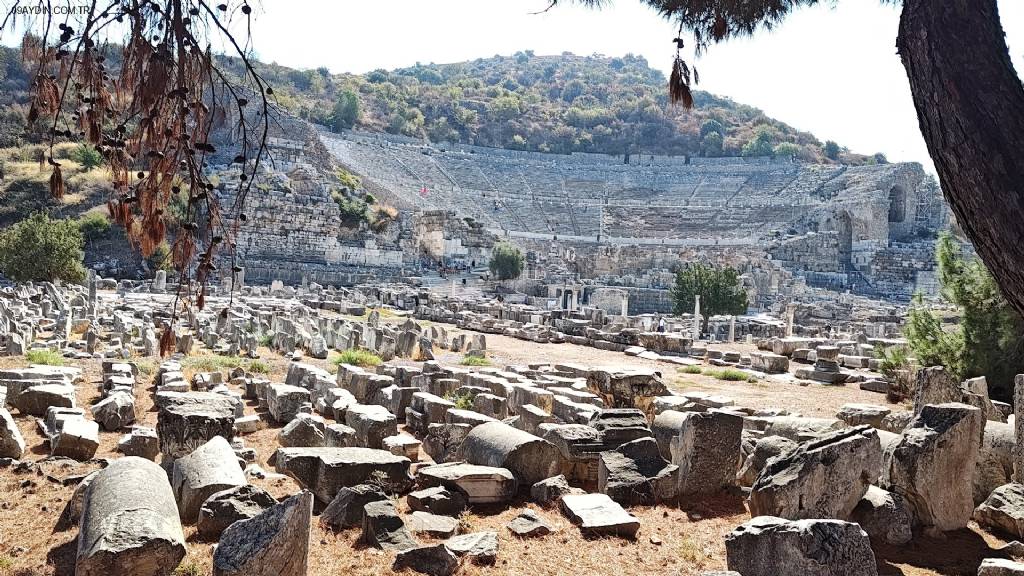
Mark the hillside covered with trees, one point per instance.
(559, 104)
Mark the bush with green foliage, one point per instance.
(94, 225)
(474, 361)
(989, 340)
(161, 258)
(348, 180)
(357, 357)
(786, 150)
(831, 150)
(761, 144)
(895, 364)
(88, 156)
(346, 111)
(506, 261)
(353, 210)
(39, 248)
(719, 289)
(462, 401)
(47, 357)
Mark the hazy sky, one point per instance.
(831, 71)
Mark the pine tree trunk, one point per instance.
(970, 104)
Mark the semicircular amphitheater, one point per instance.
(613, 221)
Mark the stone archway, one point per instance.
(897, 205)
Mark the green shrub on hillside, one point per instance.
(93, 225)
(38, 248)
(88, 156)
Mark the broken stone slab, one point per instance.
(770, 546)
(1003, 510)
(529, 458)
(935, 386)
(142, 442)
(437, 500)
(707, 451)
(273, 543)
(434, 560)
(823, 478)
(115, 411)
(766, 448)
(188, 421)
(325, 471)
(620, 425)
(372, 424)
(444, 441)
(933, 464)
(995, 461)
(477, 484)
(285, 402)
(436, 525)
(226, 507)
(599, 515)
(549, 490)
(480, 547)
(635, 388)
(863, 414)
(636, 474)
(305, 430)
(35, 400)
(12, 444)
(769, 363)
(885, 516)
(210, 468)
(346, 510)
(78, 439)
(403, 445)
(129, 523)
(384, 528)
(529, 524)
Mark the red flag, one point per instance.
(424, 192)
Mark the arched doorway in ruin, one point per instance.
(897, 205)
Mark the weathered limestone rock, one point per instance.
(115, 411)
(935, 386)
(35, 400)
(529, 524)
(477, 484)
(306, 430)
(372, 424)
(1018, 426)
(707, 451)
(627, 388)
(324, 471)
(861, 414)
(995, 461)
(822, 478)
(189, 421)
(480, 547)
(885, 516)
(437, 500)
(273, 543)
(934, 462)
(799, 428)
(635, 474)
(436, 525)
(550, 490)
(529, 458)
(765, 449)
(1003, 510)
(599, 515)
(769, 546)
(620, 425)
(78, 439)
(346, 510)
(141, 442)
(12, 444)
(435, 560)
(384, 528)
(211, 468)
(443, 442)
(284, 401)
(224, 508)
(129, 523)
(769, 363)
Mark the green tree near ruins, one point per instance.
(786, 150)
(719, 288)
(760, 144)
(506, 261)
(41, 249)
(989, 339)
(831, 150)
(346, 111)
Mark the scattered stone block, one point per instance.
(273, 543)
(435, 560)
(384, 528)
(480, 547)
(599, 515)
(209, 469)
(224, 508)
(885, 516)
(477, 484)
(636, 474)
(770, 546)
(347, 508)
